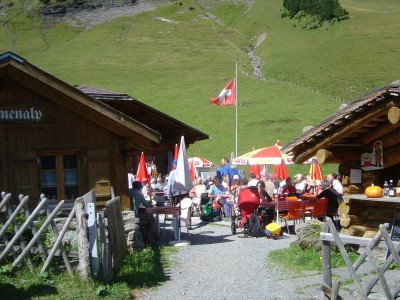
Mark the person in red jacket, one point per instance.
(289, 189)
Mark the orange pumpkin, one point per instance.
(373, 191)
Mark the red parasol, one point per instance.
(315, 170)
(142, 174)
(280, 171)
(192, 169)
(255, 170)
(176, 153)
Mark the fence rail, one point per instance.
(382, 240)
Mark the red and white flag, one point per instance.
(227, 95)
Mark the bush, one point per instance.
(321, 11)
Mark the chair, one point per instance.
(295, 212)
(185, 216)
(319, 210)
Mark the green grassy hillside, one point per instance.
(176, 57)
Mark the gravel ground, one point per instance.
(219, 265)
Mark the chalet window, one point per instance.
(59, 176)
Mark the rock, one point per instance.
(57, 9)
(308, 235)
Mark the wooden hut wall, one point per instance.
(53, 129)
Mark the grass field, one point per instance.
(177, 57)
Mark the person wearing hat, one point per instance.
(235, 187)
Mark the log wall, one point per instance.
(361, 216)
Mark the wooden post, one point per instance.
(326, 259)
(105, 250)
(82, 239)
(92, 231)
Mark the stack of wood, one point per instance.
(362, 218)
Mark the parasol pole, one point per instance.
(236, 105)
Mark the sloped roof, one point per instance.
(144, 113)
(353, 128)
(73, 99)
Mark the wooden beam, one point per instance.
(388, 140)
(336, 156)
(376, 133)
(391, 156)
(341, 132)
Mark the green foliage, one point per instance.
(175, 59)
(145, 268)
(325, 10)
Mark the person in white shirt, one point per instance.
(336, 184)
(131, 179)
(269, 185)
(253, 181)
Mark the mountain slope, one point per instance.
(178, 55)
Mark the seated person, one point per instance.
(235, 187)
(289, 189)
(267, 211)
(138, 198)
(197, 190)
(146, 220)
(264, 196)
(217, 190)
(159, 185)
(333, 197)
(147, 191)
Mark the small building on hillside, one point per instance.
(363, 137)
(61, 141)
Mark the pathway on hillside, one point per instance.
(219, 265)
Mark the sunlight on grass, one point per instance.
(295, 260)
(141, 269)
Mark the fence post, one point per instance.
(105, 249)
(92, 231)
(82, 239)
(326, 259)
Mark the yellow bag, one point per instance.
(274, 228)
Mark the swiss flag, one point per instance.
(227, 95)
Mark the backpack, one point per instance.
(255, 228)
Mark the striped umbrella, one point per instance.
(315, 170)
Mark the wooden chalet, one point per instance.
(61, 141)
(363, 137)
(170, 129)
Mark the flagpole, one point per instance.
(236, 104)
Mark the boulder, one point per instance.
(57, 9)
(308, 235)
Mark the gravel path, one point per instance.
(219, 265)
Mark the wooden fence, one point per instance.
(104, 228)
(381, 241)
